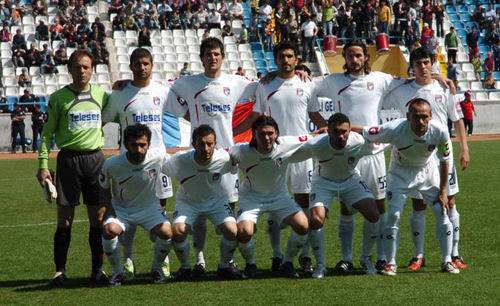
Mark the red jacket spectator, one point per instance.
(5, 34)
(489, 63)
(467, 107)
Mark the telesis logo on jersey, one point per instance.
(216, 108)
(144, 118)
(370, 86)
(374, 130)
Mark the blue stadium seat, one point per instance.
(260, 65)
(466, 17)
(256, 46)
(269, 55)
(258, 55)
(463, 9)
(273, 67)
(450, 9)
(11, 100)
(470, 24)
(263, 71)
(458, 25)
(470, 2)
(461, 32)
(484, 49)
(453, 17)
(496, 75)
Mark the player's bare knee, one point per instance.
(317, 221)
(229, 230)
(418, 204)
(245, 231)
(164, 231)
(180, 232)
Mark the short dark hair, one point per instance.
(284, 46)
(261, 121)
(76, 55)
(337, 119)
(136, 131)
(139, 53)
(417, 101)
(211, 43)
(362, 45)
(419, 53)
(202, 131)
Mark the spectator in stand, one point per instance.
(489, 63)
(38, 118)
(451, 43)
(61, 56)
(293, 28)
(4, 13)
(400, 13)
(175, 21)
(476, 63)
(223, 11)
(206, 34)
(48, 65)
(115, 7)
(491, 35)
(427, 33)
(42, 31)
(117, 23)
(265, 10)
(18, 41)
(384, 17)
(101, 55)
(4, 108)
(56, 30)
(33, 57)
(24, 80)
(478, 16)
(17, 125)
(99, 25)
(469, 112)
(15, 16)
(413, 19)
(490, 14)
(39, 8)
(226, 29)
(309, 32)
(269, 34)
(432, 44)
(243, 39)
(489, 82)
(144, 39)
(152, 20)
(69, 33)
(185, 70)
(439, 14)
(452, 72)
(236, 10)
(240, 71)
(19, 57)
(427, 11)
(214, 19)
(496, 54)
(472, 41)
(27, 97)
(5, 33)
(328, 15)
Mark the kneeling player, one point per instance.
(264, 163)
(201, 194)
(337, 155)
(413, 170)
(132, 176)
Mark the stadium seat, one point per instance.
(170, 67)
(231, 48)
(248, 65)
(120, 42)
(157, 76)
(245, 47)
(9, 81)
(169, 49)
(496, 75)
(37, 81)
(132, 41)
(246, 56)
(93, 79)
(131, 34)
(483, 49)
(103, 78)
(49, 89)
(166, 33)
(171, 57)
(463, 85)
(107, 88)
(56, 44)
(194, 49)
(39, 18)
(155, 41)
(192, 41)
(177, 33)
(476, 86)
(101, 68)
(155, 34)
(470, 76)
(7, 71)
(28, 20)
(38, 90)
(233, 65)
(481, 96)
(5, 46)
(50, 80)
(126, 75)
(196, 66)
(229, 40)
(495, 96)
(214, 32)
(159, 58)
(182, 57)
(169, 75)
(118, 34)
(200, 32)
(179, 40)
(190, 33)
(123, 59)
(28, 29)
(34, 70)
(11, 91)
(194, 57)
(181, 49)
(467, 67)
(232, 56)
(260, 65)
(63, 79)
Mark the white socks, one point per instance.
(317, 238)
(417, 223)
(110, 247)
(295, 243)
(370, 235)
(455, 222)
(382, 220)
(390, 234)
(274, 230)
(346, 230)
(444, 232)
(160, 252)
(199, 237)
(127, 240)
(248, 251)
(182, 252)
(227, 248)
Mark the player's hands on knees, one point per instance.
(42, 175)
(120, 84)
(443, 200)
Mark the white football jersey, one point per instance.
(288, 101)
(198, 183)
(145, 105)
(132, 186)
(212, 101)
(410, 150)
(332, 164)
(443, 104)
(265, 174)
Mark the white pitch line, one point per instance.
(18, 179)
(37, 224)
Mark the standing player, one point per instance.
(444, 107)
(264, 164)
(131, 177)
(210, 98)
(288, 100)
(75, 120)
(337, 155)
(141, 101)
(415, 142)
(201, 193)
(358, 94)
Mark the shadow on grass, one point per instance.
(32, 285)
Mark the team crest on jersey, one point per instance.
(303, 138)
(300, 92)
(370, 86)
(438, 99)
(227, 91)
(156, 101)
(278, 162)
(216, 177)
(152, 173)
(181, 101)
(374, 130)
(350, 160)
(431, 148)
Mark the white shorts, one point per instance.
(406, 181)
(280, 207)
(217, 210)
(349, 192)
(164, 188)
(372, 170)
(147, 218)
(299, 175)
(230, 185)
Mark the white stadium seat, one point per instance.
(481, 96)
(495, 95)
(476, 86)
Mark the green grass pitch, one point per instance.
(27, 228)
